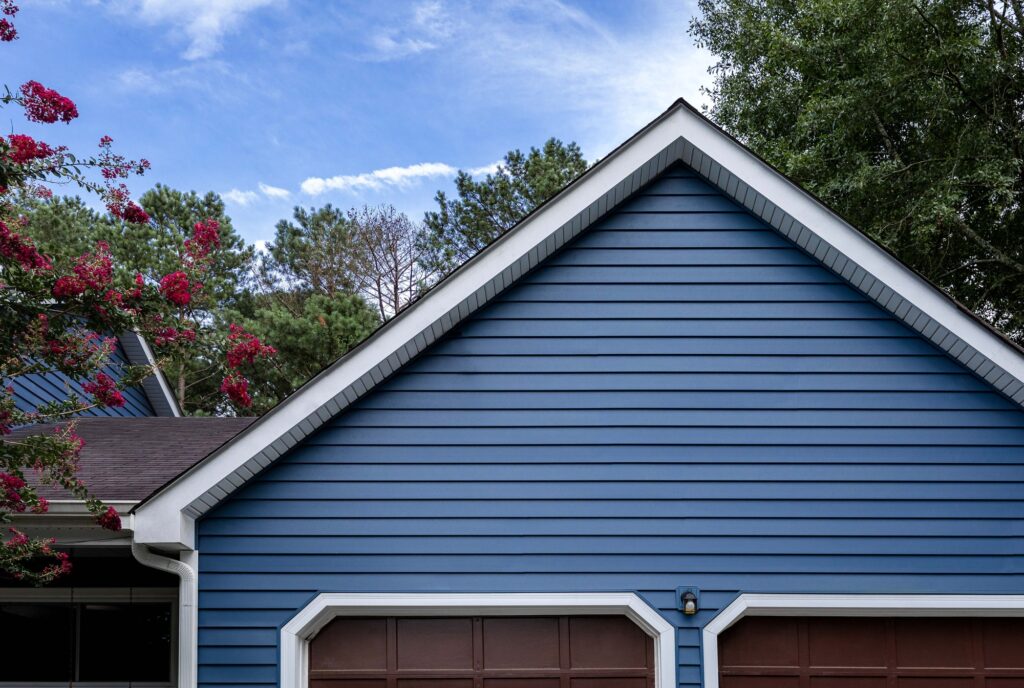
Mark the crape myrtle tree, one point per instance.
(906, 116)
(58, 318)
(63, 227)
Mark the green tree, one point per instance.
(484, 210)
(63, 227)
(310, 332)
(906, 116)
(308, 306)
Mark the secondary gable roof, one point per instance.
(679, 134)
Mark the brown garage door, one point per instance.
(759, 652)
(482, 652)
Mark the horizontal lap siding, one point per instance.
(679, 398)
(31, 391)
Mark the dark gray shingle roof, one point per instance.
(129, 458)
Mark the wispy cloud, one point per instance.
(425, 28)
(202, 23)
(244, 197)
(400, 177)
(555, 57)
(239, 197)
(273, 191)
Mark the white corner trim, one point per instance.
(296, 634)
(750, 604)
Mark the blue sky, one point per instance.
(274, 103)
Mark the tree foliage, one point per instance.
(906, 116)
(484, 210)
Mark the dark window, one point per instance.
(107, 642)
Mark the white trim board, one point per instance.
(296, 634)
(750, 604)
(680, 134)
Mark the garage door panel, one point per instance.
(605, 642)
(833, 652)
(1003, 644)
(434, 683)
(764, 642)
(348, 683)
(934, 643)
(435, 644)
(846, 643)
(760, 682)
(359, 644)
(608, 683)
(522, 683)
(848, 682)
(517, 642)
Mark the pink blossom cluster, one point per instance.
(246, 347)
(76, 349)
(10, 493)
(45, 104)
(21, 249)
(93, 272)
(104, 391)
(236, 386)
(24, 149)
(109, 519)
(7, 31)
(177, 288)
(170, 335)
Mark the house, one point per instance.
(681, 426)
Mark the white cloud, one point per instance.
(378, 179)
(427, 27)
(604, 80)
(203, 23)
(484, 170)
(273, 191)
(239, 197)
(396, 177)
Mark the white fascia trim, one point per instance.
(296, 634)
(848, 241)
(164, 521)
(165, 388)
(749, 604)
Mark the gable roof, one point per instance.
(681, 134)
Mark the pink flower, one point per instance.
(237, 389)
(133, 213)
(46, 105)
(95, 269)
(7, 31)
(68, 287)
(18, 539)
(10, 493)
(104, 391)
(109, 519)
(24, 148)
(246, 347)
(176, 289)
(205, 238)
(22, 250)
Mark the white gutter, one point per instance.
(188, 593)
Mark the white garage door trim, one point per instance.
(295, 634)
(750, 604)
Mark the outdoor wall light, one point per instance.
(689, 603)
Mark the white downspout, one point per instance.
(188, 594)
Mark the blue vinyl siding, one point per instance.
(32, 390)
(678, 398)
